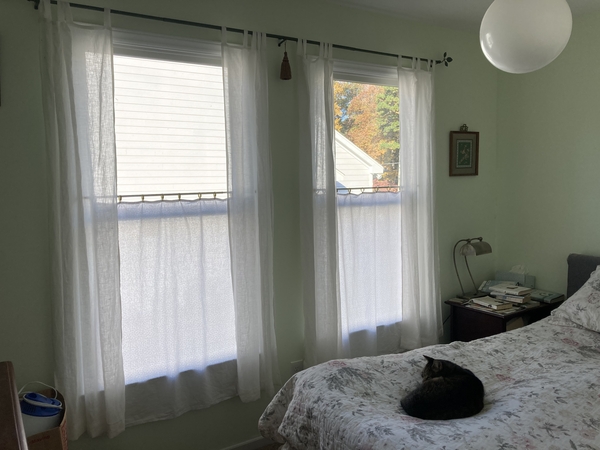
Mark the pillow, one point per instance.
(583, 307)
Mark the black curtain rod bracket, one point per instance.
(281, 39)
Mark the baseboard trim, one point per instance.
(252, 444)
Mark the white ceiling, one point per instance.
(458, 14)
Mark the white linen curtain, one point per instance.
(370, 271)
(179, 343)
(318, 219)
(421, 310)
(250, 212)
(77, 87)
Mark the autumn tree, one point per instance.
(343, 93)
(388, 121)
(365, 129)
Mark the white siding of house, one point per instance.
(354, 168)
(350, 171)
(170, 125)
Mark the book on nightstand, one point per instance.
(511, 297)
(546, 296)
(491, 303)
(510, 289)
(514, 308)
(504, 287)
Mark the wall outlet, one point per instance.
(297, 366)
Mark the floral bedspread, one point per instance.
(542, 391)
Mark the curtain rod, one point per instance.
(281, 38)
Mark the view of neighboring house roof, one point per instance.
(354, 167)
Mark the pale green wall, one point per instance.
(25, 309)
(466, 92)
(548, 160)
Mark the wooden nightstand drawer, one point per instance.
(469, 323)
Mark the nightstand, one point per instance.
(469, 322)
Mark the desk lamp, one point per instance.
(472, 247)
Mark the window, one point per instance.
(177, 299)
(368, 204)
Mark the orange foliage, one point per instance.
(365, 129)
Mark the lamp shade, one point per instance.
(475, 248)
(520, 36)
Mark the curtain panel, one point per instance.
(77, 89)
(179, 337)
(318, 217)
(250, 206)
(421, 309)
(370, 271)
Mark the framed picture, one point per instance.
(464, 153)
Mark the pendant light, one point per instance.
(520, 36)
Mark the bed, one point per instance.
(542, 388)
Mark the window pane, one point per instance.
(366, 117)
(169, 120)
(367, 156)
(176, 288)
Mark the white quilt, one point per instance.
(542, 391)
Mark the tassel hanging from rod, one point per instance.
(286, 70)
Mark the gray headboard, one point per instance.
(580, 268)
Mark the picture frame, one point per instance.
(464, 153)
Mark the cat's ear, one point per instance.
(437, 365)
(429, 359)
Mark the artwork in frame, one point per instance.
(464, 152)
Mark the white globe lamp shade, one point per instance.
(520, 36)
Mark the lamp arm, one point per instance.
(456, 268)
(469, 269)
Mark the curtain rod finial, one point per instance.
(447, 59)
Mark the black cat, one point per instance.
(448, 392)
